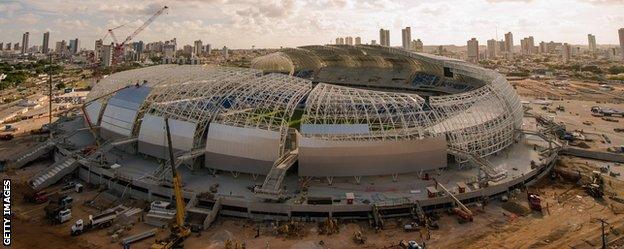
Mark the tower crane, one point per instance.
(119, 47)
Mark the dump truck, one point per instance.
(100, 221)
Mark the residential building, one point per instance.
(406, 35)
(591, 41)
(25, 38)
(473, 50)
(45, 46)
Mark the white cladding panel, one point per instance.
(121, 111)
(118, 120)
(153, 140)
(335, 129)
(249, 143)
(93, 111)
(319, 157)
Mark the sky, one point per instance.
(290, 23)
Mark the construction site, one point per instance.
(322, 146)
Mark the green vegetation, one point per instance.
(616, 69)
(18, 73)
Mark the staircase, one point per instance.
(270, 189)
(163, 173)
(63, 167)
(54, 173)
(492, 173)
(33, 154)
(200, 218)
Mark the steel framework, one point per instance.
(388, 116)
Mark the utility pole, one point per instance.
(50, 95)
(604, 238)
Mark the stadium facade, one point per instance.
(346, 111)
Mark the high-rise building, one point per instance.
(74, 46)
(337, 40)
(25, 38)
(591, 41)
(208, 49)
(418, 45)
(542, 47)
(8, 46)
(492, 49)
(16, 47)
(566, 52)
(358, 40)
(349, 40)
(188, 49)
(527, 46)
(509, 44)
(373, 42)
(473, 50)
(107, 55)
(1, 46)
(98, 50)
(45, 46)
(621, 33)
(384, 37)
(198, 48)
(138, 50)
(60, 47)
(406, 35)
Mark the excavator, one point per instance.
(179, 231)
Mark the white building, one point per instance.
(406, 35)
(473, 50)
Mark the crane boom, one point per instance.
(145, 24)
(176, 179)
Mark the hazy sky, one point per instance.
(271, 23)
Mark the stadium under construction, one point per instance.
(309, 132)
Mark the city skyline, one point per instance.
(243, 24)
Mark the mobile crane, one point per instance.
(179, 231)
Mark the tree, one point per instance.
(60, 86)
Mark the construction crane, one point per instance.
(463, 213)
(119, 47)
(179, 231)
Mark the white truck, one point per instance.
(64, 215)
(100, 221)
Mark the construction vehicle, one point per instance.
(535, 201)
(462, 212)
(57, 213)
(36, 197)
(462, 215)
(100, 221)
(595, 188)
(179, 230)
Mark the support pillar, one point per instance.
(330, 180)
(358, 179)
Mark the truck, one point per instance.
(57, 213)
(97, 222)
(36, 197)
